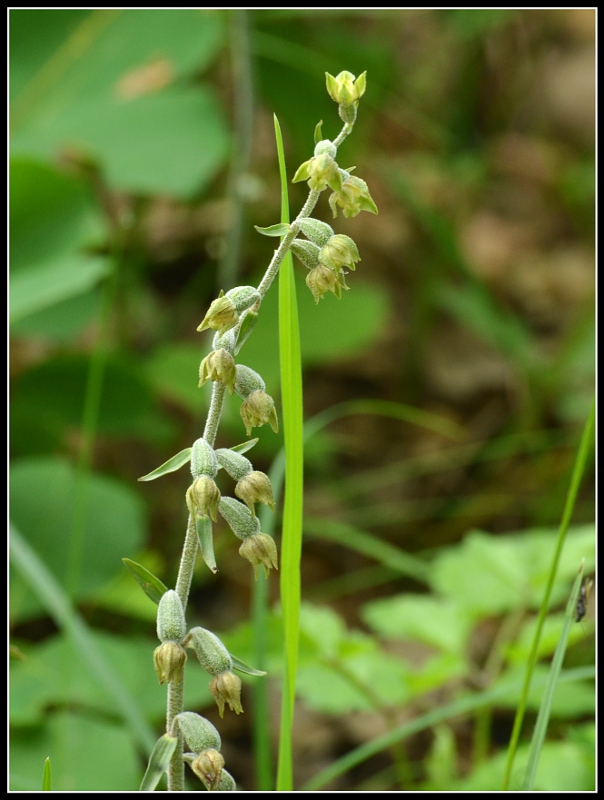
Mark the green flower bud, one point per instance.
(238, 517)
(226, 341)
(247, 381)
(171, 625)
(210, 651)
(226, 783)
(345, 89)
(208, 768)
(234, 463)
(255, 488)
(203, 497)
(221, 315)
(325, 146)
(226, 688)
(199, 732)
(219, 365)
(321, 279)
(257, 410)
(306, 252)
(243, 297)
(340, 251)
(260, 550)
(320, 172)
(169, 660)
(353, 198)
(203, 459)
(318, 232)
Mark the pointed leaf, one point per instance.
(243, 667)
(247, 326)
(206, 541)
(159, 761)
(47, 777)
(318, 134)
(280, 229)
(245, 446)
(151, 586)
(171, 465)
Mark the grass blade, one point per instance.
(575, 481)
(47, 777)
(548, 695)
(291, 541)
(45, 585)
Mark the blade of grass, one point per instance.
(458, 707)
(44, 584)
(552, 682)
(578, 470)
(291, 540)
(47, 777)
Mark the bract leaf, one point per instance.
(245, 446)
(206, 541)
(280, 229)
(247, 326)
(151, 586)
(159, 761)
(171, 465)
(243, 667)
(318, 134)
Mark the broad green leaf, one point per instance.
(47, 777)
(87, 754)
(171, 465)
(151, 586)
(159, 761)
(244, 446)
(37, 287)
(62, 321)
(243, 667)
(206, 541)
(280, 229)
(114, 524)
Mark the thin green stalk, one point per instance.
(291, 540)
(47, 777)
(578, 470)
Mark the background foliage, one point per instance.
(142, 152)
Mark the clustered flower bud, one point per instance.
(257, 410)
(318, 232)
(199, 733)
(255, 488)
(345, 89)
(215, 659)
(208, 767)
(219, 365)
(171, 625)
(260, 550)
(226, 689)
(321, 279)
(352, 198)
(238, 517)
(203, 459)
(203, 497)
(339, 252)
(224, 312)
(321, 170)
(169, 660)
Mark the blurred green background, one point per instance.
(142, 154)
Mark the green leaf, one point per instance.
(280, 229)
(243, 667)
(171, 465)
(114, 524)
(47, 777)
(245, 446)
(318, 134)
(151, 586)
(159, 761)
(206, 541)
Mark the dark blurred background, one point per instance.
(142, 155)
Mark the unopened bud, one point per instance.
(208, 768)
(221, 315)
(255, 488)
(326, 146)
(226, 688)
(247, 381)
(321, 279)
(352, 198)
(205, 495)
(219, 365)
(257, 410)
(171, 625)
(243, 297)
(203, 459)
(234, 463)
(238, 517)
(307, 252)
(320, 171)
(210, 651)
(340, 251)
(318, 232)
(345, 89)
(260, 550)
(199, 732)
(169, 660)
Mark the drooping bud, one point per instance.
(307, 252)
(340, 251)
(257, 410)
(210, 651)
(169, 660)
(320, 171)
(171, 625)
(318, 232)
(260, 550)
(238, 517)
(243, 297)
(222, 315)
(353, 198)
(205, 496)
(247, 381)
(199, 732)
(321, 279)
(255, 488)
(345, 89)
(226, 688)
(203, 459)
(234, 463)
(219, 365)
(208, 768)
